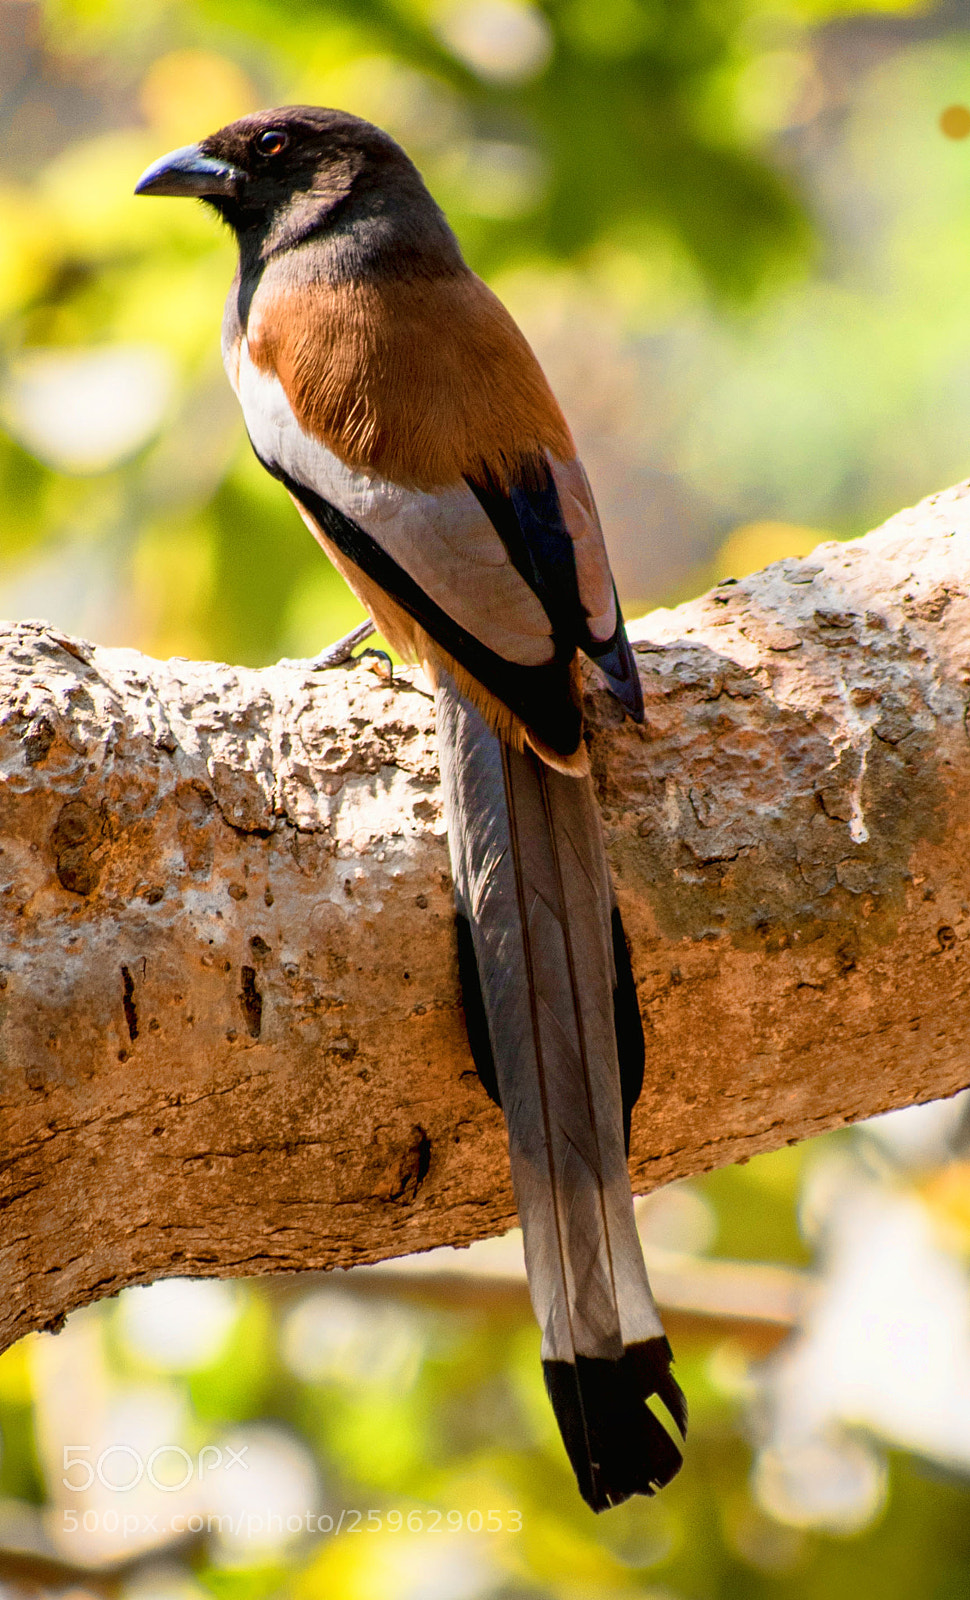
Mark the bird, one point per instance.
(395, 398)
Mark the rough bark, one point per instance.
(230, 1038)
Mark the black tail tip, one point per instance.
(615, 1443)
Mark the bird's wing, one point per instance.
(458, 508)
(435, 554)
(442, 540)
(548, 522)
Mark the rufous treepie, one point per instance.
(394, 397)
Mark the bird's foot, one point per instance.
(380, 655)
(342, 651)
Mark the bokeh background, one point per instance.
(738, 234)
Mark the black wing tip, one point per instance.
(616, 1446)
(618, 665)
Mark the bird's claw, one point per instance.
(380, 655)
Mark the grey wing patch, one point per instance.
(447, 544)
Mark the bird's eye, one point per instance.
(272, 142)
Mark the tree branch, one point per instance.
(229, 1030)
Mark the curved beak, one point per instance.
(189, 171)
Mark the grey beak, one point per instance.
(189, 171)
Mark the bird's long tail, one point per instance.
(556, 1034)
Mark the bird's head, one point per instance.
(278, 177)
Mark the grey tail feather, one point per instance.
(555, 1031)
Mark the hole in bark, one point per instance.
(424, 1157)
(128, 1001)
(251, 1001)
(37, 742)
(414, 1167)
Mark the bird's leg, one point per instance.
(336, 654)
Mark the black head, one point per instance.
(286, 174)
